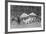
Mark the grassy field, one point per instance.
(32, 25)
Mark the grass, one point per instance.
(32, 25)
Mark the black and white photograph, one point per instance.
(25, 16)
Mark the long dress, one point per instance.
(18, 20)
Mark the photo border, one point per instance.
(6, 16)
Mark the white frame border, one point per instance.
(24, 29)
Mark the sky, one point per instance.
(18, 10)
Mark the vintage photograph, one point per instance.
(25, 16)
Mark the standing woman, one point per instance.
(18, 19)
